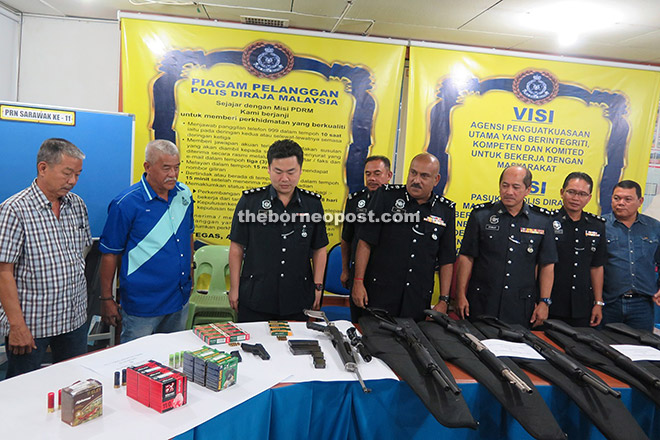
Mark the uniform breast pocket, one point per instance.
(303, 233)
(530, 244)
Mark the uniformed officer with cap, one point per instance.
(376, 174)
(275, 231)
(395, 262)
(504, 242)
(577, 292)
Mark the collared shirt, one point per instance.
(581, 245)
(356, 205)
(153, 236)
(632, 257)
(277, 274)
(404, 254)
(506, 251)
(49, 266)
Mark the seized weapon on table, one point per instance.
(356, 341)
(421, 353)
(342, 346)
(619, 359)
(558, 359)
(256, 349)
(641, 336)
(485, 355)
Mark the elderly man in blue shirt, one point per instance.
(149, 229)
(631, 281)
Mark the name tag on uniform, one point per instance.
(532, 231)
(591, 234)
(435, 220)
(493, 227)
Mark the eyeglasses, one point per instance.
(580, 194)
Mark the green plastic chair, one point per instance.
(204, 308)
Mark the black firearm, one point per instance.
(483, 353)
(558, 359)
(342, 346)
(619, 359)
(421, 353)
(641, 336)
(356, 341)
(308, 347)
(256, 349)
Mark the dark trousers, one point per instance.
(63, 347)
(248, 315)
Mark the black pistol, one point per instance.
(256, 349)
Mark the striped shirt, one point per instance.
(49, 266)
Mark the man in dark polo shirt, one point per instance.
(395, 261)
(504, 242)
(577, 292)
(275, 231)
(376, 174)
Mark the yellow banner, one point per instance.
(225, 95)
(479, 113)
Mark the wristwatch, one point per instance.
(318, 286)
(599, 303)
(444, 298)
(548, 301)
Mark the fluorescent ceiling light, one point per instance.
(570, 19)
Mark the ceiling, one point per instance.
(605, 29)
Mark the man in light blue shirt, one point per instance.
(633, 254)
(149, 228)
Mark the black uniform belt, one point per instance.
(630, 294)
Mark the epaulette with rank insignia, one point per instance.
(356, 193)
(446, 201)
(390, 187)
(311, 193)
(540, 210)
(596, 216)
(483, 205)
(254, 190)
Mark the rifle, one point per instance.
(644, 338)
(485, 355)
(593, 341)
(560, 360)
(356, 341)
(341, 345)
(421, 353)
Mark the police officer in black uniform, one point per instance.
(395, 262)
(504, 242)
(275, 231)
(577, 293)
(376, 174)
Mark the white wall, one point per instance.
(69, 63)
(10, 31)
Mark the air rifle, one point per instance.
(558, 359)
(641, 336)
(356, 341)
(342, 346)
(485, 355)
(421, 353)
(619, 359)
